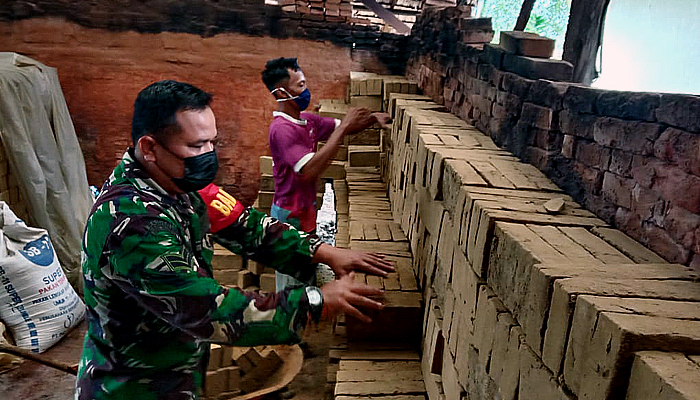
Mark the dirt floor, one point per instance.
(32, 381)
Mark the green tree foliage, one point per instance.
(548, 18)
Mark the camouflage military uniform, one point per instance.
(153, 306)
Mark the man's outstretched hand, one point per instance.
(345, 296)
(344, 261)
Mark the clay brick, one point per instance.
(450, 381)
(374, 103)
(592, 154)
(680, 110)
(583, 326)
(488, 309)
(216, 382)
(581, 99)
(503, 368)
(466, 286)
(617, 189)
(628, 105)
(575, 124)
(363, 156)
(567, 146)
(215, 352)
(618, 336)
(636, 137)
(669, 376)
(630, 247)
(679, 148)
(493, 54)
(379, 388)
(536, 380)
(401, 310)
(538, 68)
(676, 185)
(620, 163)
(537, 116)
(516, 84)
(566, 290)
(547, 94)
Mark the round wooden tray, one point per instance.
(292, 360)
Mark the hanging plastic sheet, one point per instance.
(44, 154)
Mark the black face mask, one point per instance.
(200, 171)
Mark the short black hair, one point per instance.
(156, 105)
(277, 70)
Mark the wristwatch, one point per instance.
(315, 299)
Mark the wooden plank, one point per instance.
(596, 246)
(583, 38)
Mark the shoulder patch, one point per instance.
(222, 208)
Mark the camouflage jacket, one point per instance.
(153, 306)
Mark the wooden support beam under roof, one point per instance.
(584, 36)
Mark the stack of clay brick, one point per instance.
(456, 26)
(371, 91)
(405, 11)
(382, 358)
(267, 183)
(234, 371)
(527, 294)
(232, 270)
(332, 8)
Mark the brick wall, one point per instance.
(106, 52)
(632, 158)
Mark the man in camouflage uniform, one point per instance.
(153, 306)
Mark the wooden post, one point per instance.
(524, 16)
(584, 35)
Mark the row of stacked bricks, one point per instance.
(233, 371)
(332, 8)
(380, 359)
(528, 295)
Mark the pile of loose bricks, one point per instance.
(527, 294)
(630, 157)
(233, 271)
(233, 371)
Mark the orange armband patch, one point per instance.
(222, 208)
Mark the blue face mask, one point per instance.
(302, 100)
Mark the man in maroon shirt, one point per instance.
(294, 136)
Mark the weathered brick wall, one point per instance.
(106, 51)
(527, 294)
(632, 158)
